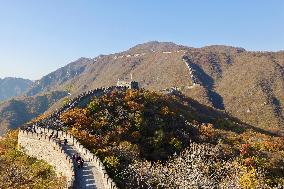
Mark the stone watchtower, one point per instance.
(128, 84)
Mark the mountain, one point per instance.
(17, 111)
(247, 85)
(11, 87)
(153, 140)
(59, 77)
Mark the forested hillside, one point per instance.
(151, 140)
(17, 111)
(247, 85)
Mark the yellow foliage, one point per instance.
(134, 105)
(166, 111)
(111, 162)
(176, 143)
(131, 94)
(207, 130)
(248, 179)
(273, 145)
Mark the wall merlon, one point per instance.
(43, 143)
(47, 149)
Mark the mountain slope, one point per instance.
(152, 140)
(248, 85)
(59, 77)
(255, 92)
(15, 112)
(11, 87)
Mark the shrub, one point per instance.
(111, 162)
(175, 144)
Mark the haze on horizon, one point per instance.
(38, 37)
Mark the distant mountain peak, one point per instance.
(157, 46)
(11, 87)
(220, 76)
(14, 78)
(224, 48)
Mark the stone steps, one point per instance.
(85, 178)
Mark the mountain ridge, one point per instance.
(13, 86)
(248, 85)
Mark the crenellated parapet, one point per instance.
(42, 145)
(50, 150)
(192, 72)
(53, 121)
(42, 141)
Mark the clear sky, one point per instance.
(37, 37)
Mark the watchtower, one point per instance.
(128, 84)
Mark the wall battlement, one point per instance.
(45, 148)
(46, 127)
(128, 84)
(41, 146)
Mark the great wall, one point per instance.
(45, 142)
(41, 144)
(195, 81)
(48, 149)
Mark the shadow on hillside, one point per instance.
(208, 82)
(277, 108)
(221, 119)
(216, 99)
(274, 101)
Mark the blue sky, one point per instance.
(37, 37)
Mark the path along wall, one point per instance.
(85, 154)
(44, 148)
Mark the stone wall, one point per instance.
(52, 121)
(195, 81)
(44, 148)
(85, 154)
(128, 84)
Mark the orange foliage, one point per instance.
(78, 118)
(86, 139)
(131, 94)
(248, 161)
(134, 105)
(245, 149)
(135, 134)
(38, 119)
(165, 110)
(207, 130)
(2, 150)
